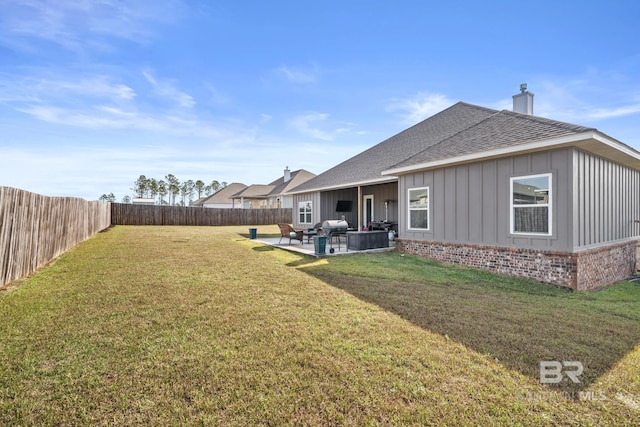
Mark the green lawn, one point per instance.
(199, 325)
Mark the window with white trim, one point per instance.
(419, 208)
(304, 212)
(531, 201)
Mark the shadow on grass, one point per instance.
(263, 248)
(519, 323)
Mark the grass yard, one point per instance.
(201, 326)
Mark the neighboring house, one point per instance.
(143, 201)
(254, 196)
(279, 196)
(222, 198)
(499, 190)
(273, 195)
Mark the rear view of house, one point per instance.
(504, 191)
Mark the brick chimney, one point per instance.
(523, 102)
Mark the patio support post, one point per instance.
(359, 208)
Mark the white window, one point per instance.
(531, 199)
(304, 212)
(419, 208)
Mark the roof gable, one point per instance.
(223, 196)
(503, 129)
(297, 178)
(255, 191)
(368, 165)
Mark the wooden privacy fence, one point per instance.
(36, 229)
(127, 214)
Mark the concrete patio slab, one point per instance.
(307, 248)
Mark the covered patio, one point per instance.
(307, 247)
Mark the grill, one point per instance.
(334, 227)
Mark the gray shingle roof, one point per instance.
(461, 129)
(276, 188)
(297, 177)
(255, 191)
(502, 129)
(223, 195)
(369, 164)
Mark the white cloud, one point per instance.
(110, 118)
(265, 118)
(590, 98)
(216, 96)
(299, 75)
(14, 88)
(82, 24)
(609, 113)
(102, 102)
(166, 89)
(318, 126)
(305, 125)
(419, 107)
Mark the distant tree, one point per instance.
(162, 191)
(126, 199)
(153, 188)
(186, 191)
(191, 191)
(200, 187)
(107, 198)
(141, 186)
(167, 190)
(173, 187)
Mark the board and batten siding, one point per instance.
(314, 198)
(381, 193)
(470, 203)
(607, 199)
(329, 201)
(324, 204)
(595, 201)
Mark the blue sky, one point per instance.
(95, 93)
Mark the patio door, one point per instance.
(367, 212)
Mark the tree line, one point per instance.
(168, 191)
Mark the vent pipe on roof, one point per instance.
(523, 102)
(287, 174)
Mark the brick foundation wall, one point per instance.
(591, 269)
(604, 266)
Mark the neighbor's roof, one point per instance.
(297, 178)
(367, 166)
(254, 191)
(223, 196)
(276, 188)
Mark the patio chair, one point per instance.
(288, 231)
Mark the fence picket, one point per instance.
(128, 214)
(35, 229)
